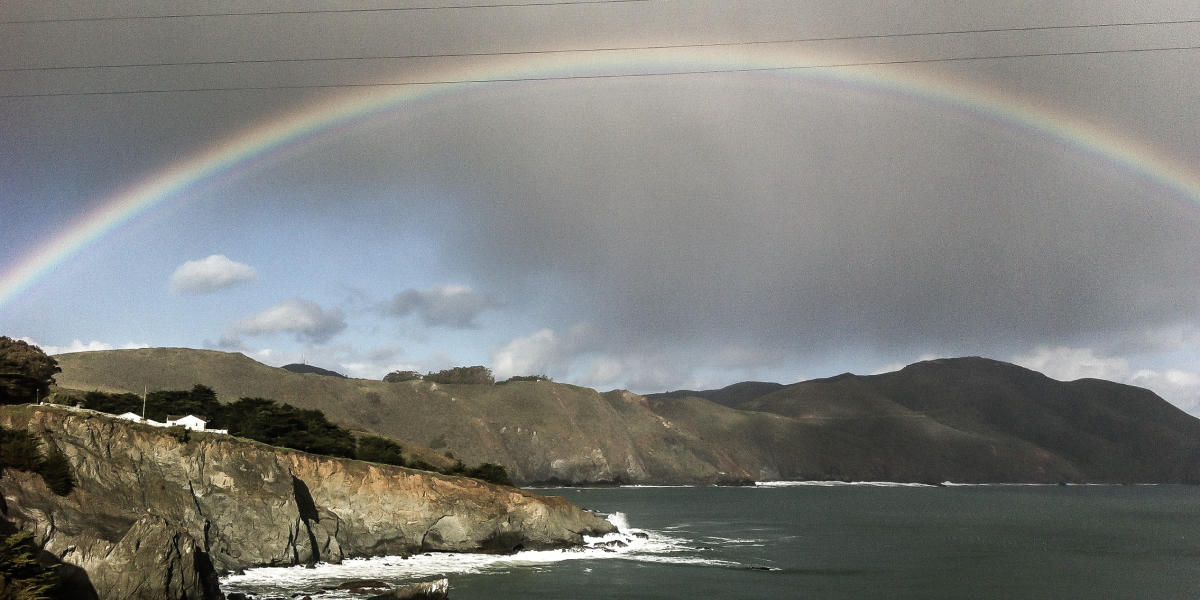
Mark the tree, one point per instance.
(398, 376)
(473, 375)
(25, 371)
(56, 472)
(22, 576)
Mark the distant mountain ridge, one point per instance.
(731, 395)
(961, 419)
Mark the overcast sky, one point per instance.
(640, 232)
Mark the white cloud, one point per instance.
(209, 275)
(1179, 387)
(1069, 364)
(80, 346)
(533, 355)
(444, 305)
(304, 318)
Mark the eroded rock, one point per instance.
(152, 517)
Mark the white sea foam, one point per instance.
(955, 484)
(778, 484)
(628, 543)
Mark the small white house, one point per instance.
(189, 422)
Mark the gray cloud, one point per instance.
(443, 305)
(304, 318)
(812, 221)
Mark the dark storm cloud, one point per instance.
(721, 219)
(800, 216)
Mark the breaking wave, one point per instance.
(779, 484)
(628, 543)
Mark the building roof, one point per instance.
(178, 417)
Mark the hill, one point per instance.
(303, 368)
(731, 396)
(966, 420)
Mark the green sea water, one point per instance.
(836, 542)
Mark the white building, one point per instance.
(189, 422)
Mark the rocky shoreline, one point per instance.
(155, 517)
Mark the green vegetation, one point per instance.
(285, 425)
(25, 372)
(200, 401)
(277, 424)
(489, 472)
(382, 450)
(399, 376)
(20, 450)
(22, 577)
(526, 378)
(477, 375)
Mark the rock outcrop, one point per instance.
(153, 517)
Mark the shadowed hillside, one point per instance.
(303, 368)
(731, 396)
(968, 420)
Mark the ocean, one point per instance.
(823, 541)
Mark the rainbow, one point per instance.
(1072, 133)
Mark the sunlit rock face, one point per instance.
(153, 517)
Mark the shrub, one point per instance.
(380, 450)
(19, 450)
(56, 472)
(491, 473)
(527, 378)
(22, 577)
(399, 376)
(180, 433)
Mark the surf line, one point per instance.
(328, 117)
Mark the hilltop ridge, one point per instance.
(956, 419)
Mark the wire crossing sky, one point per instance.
(648, 195)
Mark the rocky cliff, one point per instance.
(156, 517)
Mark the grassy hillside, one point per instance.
(970, 420)
(541, 431)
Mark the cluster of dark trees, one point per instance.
(526, 378)
(278, 424)
(476, 375)
(259, 419)
(20, 450)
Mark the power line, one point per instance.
(604, 76)
(603, 49)
(319, 11)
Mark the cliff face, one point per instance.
(153, 517)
